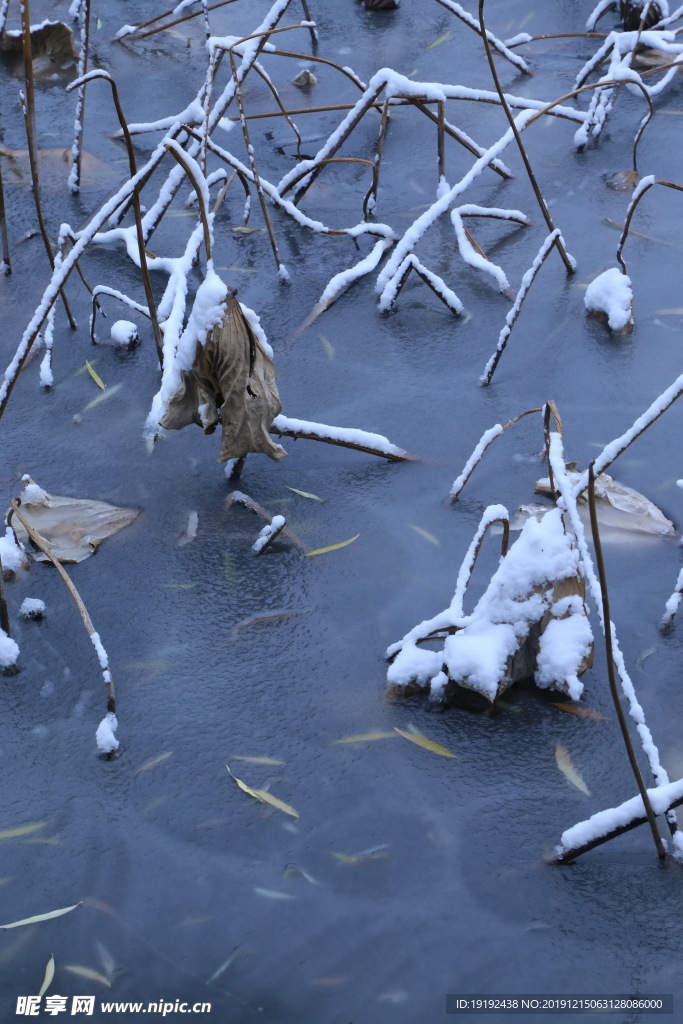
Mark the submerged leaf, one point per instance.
(89, 973)
(273, 894)
(364, 737)
(73, 527)
(41, 917)
(441, 39)
(154, 762)
(22, 830)
(422, 741)
(258, 760)
(579, 709)
(232, 382)
(292, 869)
(95, 376)
(427, 536)
(98, 399)
(264, 797)
(332, 547)
(304, 494)
(49, 975)
(566, 766)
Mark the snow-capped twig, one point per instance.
(4, 611)
(103, 659)
(460, 136)
(77, 147)
(345, 437)
(438, 286)
(6, 265)
(268, 534)
(607, 622)
(103, 289)
(672, 604)
(644, 185)
(552, 239)
(487, 439)
(240, 498)
(488, 37)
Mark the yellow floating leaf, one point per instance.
(154, 762)
(273, 894)
(49, 975)
(264, 797)
(422, 741)
(304, 494)
(365, 737)
(331, 547)
(566, 766)
(578, 709)
(258, 760)
(246, 231)
(95, 376)
(41, 917)
(89, 973)
(327, 345)
(437, 42)
(427, 536)
(22, 830)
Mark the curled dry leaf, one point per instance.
(232, 383)
(73, 527)
(582, 712)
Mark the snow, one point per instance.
(9, 650)
(126, 30)
(32, 608)
(100, 651)
(674, 601)
(124, 333)
(471, 256)
(350, 435)
(611, 293)
(11, 552)
(490, 435)
(414, 664)
(267, 532)
(564, 644)
(104, 737)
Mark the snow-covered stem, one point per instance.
(142, 254)
(240, 498)
(346, 437)
(607, 620)
(281, 268)
(438, 286)
(492, 514)
(487, 439)
(6, 265)
(673, 603)
(510, 320)
(311, 24)
(567, 501)
(487, 36)
(83, 611)
(473, 256)
(460, 136)
(4, 611)
(162, 28)
(644, 185)
(4, 4)
(338, 284)
(46, 377)
(194, 173)
(79, 125)
(568, 261)
(103, 289)
(597, 13)
(268, 534)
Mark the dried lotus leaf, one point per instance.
(232, 383)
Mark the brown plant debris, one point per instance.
(232, 382)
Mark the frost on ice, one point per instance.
(530, 622)
(611, 294)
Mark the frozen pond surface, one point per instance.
(176, 866)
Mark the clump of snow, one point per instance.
(104, 737)
(611, 293)
(9, 650)
(32, 608)
(124, 333)
(564, 644)
(267, 533)
(33, 494)
(11, 551)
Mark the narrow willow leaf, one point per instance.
(106, 959)
(159, 759)
(578, 709)
(327, 345)
(273, 894)
(41, 917)
(377, 853)
(240, 230)
(49, 975)
(643, 656)
(264, 797)
(258, 760)
(293, 869)
(564, 763)
(95, 376)
(427, 536)
(331, 547)
(22, 830)
(437, 42)
(89, 973)
(304, 494)
(224, 966)
(109, 393)
(422, 741)
(365, 737)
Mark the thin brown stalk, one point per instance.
(559, 35)
(4, 611)
(311, 28)
(171, 24)
(6, 258)
(661, 852)
(241, 498)
(28, 107)
(372, 194)
(347, 72)
(262, 74)
(550, 410)
(632, 210)
(102, 289)
(463, 478)
(568, 262)
(41, 543)
(282, 270)
(144, 269)
(453, 132)
(274, 535)
(440, 148)
(488, 37)
(176, 152)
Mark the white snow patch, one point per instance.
(611, 293)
